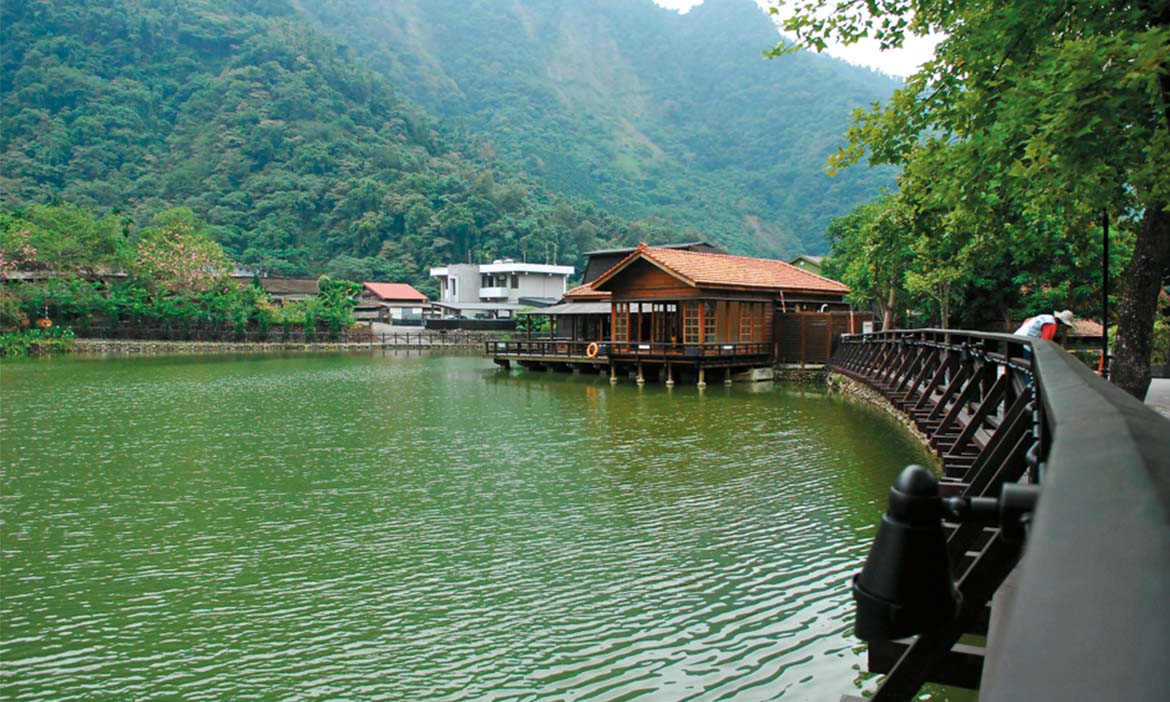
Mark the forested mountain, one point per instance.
(636, 107)
(300, 159)
(563, 126)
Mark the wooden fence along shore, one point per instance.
(349, 338)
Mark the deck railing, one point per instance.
(564, 348)
(628, 350)
(1092, 590)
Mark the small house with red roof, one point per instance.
(393, 303)
(677, 309)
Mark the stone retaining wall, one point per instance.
(860, 391)
(807, 376)
(110, 346)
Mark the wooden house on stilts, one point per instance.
(662, 312)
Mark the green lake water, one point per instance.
(391, 527)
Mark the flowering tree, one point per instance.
(16, 251)
(179, 258)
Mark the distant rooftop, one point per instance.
(1086, 327)
(690, 245)
(395, 291)
(286, 286)
(506, 265)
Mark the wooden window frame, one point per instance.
(621, 322)
(709, 315)
(747, 313)
(691, 325)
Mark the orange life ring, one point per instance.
(44, 322)
(592, 349)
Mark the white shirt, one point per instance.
(1031, 327)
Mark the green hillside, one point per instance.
(301, 160)
(561, 126)
(640, 109)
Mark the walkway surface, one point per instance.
(1158, 396)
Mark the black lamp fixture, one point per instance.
(905, 587)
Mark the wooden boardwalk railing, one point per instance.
(628, 350)
(1002, 409)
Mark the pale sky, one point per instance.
(901, 62)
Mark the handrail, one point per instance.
(694, 350)
(627, 349)
(1092, 592)
(1091, 613)
(537, 347)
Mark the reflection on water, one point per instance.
(386, 527)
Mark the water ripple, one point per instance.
(380, 527)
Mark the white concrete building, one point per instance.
(498, 289)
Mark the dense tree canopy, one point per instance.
(1032, 119)
(171, 275)
(298, 158)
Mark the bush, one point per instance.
(34, 341)
(1161, 354)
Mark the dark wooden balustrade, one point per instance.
(1091, 600)
(553, 349)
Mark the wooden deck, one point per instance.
(575, 352)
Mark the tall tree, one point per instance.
(871, 250)
(177, 256)
(1047, 102)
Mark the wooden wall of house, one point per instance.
(729, 321)
(644, 281)
(813, 337)
(695, 321)
(583, 327)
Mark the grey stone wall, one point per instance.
(110, 346)
(863, 393)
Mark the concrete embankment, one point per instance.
(122, 346)
(127, 346)
(1158, 396)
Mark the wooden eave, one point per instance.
(642, 253)
(639, 253)
(778, 291)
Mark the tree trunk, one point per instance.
(944, 305)
(888, 312)
(1139, 302)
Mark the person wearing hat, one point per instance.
(1044, 326)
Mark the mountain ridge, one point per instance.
(696, 110)
(274, 126)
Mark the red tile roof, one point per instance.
(1086, 327)
(586, 291)
(395, 291)
(724, 270)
